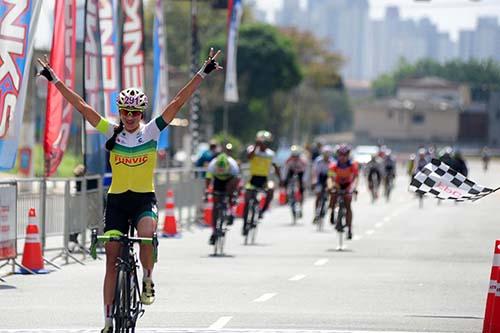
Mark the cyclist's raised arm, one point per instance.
(185, 93)
(72, 97)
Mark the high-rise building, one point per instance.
(374, 47)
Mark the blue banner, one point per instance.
(17, 22)
(235, 10)
(160, 93)
(94, 151)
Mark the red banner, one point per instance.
(132, 44)
(62, 60)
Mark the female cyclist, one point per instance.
(132, 147)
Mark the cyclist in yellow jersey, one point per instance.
(132, 146)
(261, 159)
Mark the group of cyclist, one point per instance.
(337, 176)
(381, 170)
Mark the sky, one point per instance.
(449, 15)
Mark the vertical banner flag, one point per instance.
(160, 72)
(95, 160)
(62, 60)
(108, 17)
(234, 11)
(18, 19)
(132, 57)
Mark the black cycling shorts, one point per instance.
(128, 206)
(221, 185)
(259, 181)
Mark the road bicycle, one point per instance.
(388, 185)
(251, 214)
(322, 208)
(222, 219)
(127, 305)
(341, 220)
(292, 191)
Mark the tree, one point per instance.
(480, 75)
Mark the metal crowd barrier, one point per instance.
(67, 206)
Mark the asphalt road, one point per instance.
(406, 270)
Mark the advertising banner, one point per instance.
(17, 21)
(8, 211)
(235, 10)
(108, 17)
(132, 57)
(62, 59)
(160, 71)
(95, 157)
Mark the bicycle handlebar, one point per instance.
(123, 239)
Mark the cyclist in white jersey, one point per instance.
(320, 169)
(132, 146)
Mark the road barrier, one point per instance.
(73, 206)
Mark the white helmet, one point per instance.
(327, 150)
(132, 98)
(295, 150)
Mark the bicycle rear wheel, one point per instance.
(339, 226)
(250, 219)
(322, 212)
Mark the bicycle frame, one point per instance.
(127, 307)
(220, 210)
(320, 210)
(292, 200)
(250, 210)
(340, 222)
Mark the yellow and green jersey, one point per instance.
(261, 162)
(133, 158)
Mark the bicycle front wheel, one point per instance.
(121, 307)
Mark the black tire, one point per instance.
(322, 212)
(340, 219)
(121, 304)
(249, 224)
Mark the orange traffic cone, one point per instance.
(298, 196)
(32, 254)
(240, 207)
(282, 196)
(491, 322)
(208, 210)
(262, 202)
(169, 223)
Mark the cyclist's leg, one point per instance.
(231, 190)
(333, 202)
(301, 186)
(112, 253)
(115, 219)
(269, 197)
(347, 201)
(146, 224)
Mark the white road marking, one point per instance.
(387, 219)
(220, 323)
(265, 297)
(357, 237)
(369, 232)
(321, 262)
(378, 225)
(297, 277)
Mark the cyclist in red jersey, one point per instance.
(343, 176)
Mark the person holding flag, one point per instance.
(132, 146)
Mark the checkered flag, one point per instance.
(441, 181)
